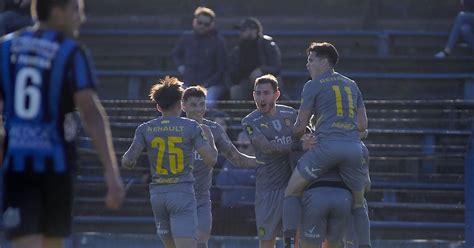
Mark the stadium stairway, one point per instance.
(417, 162)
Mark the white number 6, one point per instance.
(30, 92)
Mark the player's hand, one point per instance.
(115, 192)
(181, 69)
(309, 140)
(207, 131)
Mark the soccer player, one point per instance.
(194, 104)
(269, 128)
(329, 218)
(46, 74)
(170, 141)
(341, 120)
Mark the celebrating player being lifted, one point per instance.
(170, 141)
(194, 104)
(341, 121)
(269, 128)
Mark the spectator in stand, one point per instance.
(463, 25)
(200, 55)
(255, 55)
(15, 15)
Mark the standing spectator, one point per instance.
(463, 24)
(256, 55)
(15, 15)
(200, 55)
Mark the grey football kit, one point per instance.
(334, 100)
(170, 142)
(273, 170)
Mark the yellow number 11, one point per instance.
(337, 92)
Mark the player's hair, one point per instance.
(267, 79)
(41, 9)
(326, 50)
(167, 92)
(201, 10)
(194, 91)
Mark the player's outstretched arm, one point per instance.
(129, 159)
(261, 143)
(230, 152)
(97, 126)
(301, 122)
(362, 122)
(208, 151)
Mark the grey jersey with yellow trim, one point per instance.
(202, 172)
(334, 100)
(170, 142)
(273, 170)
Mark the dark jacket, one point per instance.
(204, 57)
(269, 56)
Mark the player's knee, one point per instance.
(267, 243)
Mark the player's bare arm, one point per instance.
(301, 122)
(230, 152)
(261, 143)
(208, 152)
(129, 159)
(97, 126)
(362, 122)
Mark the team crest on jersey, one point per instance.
(261, 231)
(249, 130)
(277, 125)
(287, 122)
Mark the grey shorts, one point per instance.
(325, 213)
(268, 213)
(204, 214)
(175, 214)
(345, 155)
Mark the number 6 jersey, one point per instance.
(40, 72)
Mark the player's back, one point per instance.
(170, 142)
(334, 99)
(41, 71)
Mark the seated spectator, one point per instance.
(14, 16)
(463, 25)
(256, 55)
(236, 177)
(200, 55)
